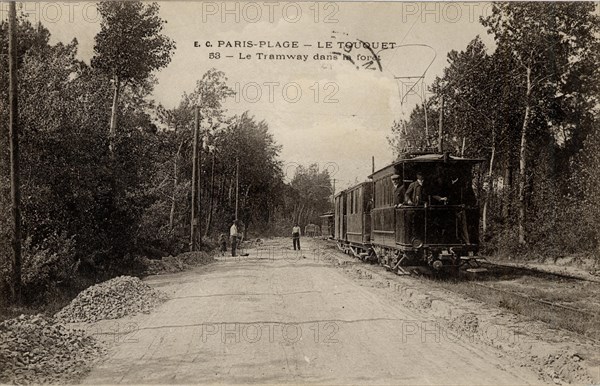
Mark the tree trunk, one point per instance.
(221, 194)
(113, 114)
(300, 214)
(237, 185)
(230, 196)
(195, 196)
(506, 187)
(14, 151)
(175, 183)
(523, 162)
(199, 188)
(490, 187)
(211, 198)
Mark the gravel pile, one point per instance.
(112, 299)
(173, 264)
(465, 323)
(38, 349)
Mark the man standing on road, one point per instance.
(233, 234)
(296, 236)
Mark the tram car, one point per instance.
(378, 221)
(327, 225)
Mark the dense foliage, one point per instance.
(531, 109)
(93, 199)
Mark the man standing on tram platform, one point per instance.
(399, 190)
(415, 194)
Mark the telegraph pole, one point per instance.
(199, 182)
(333, 194)
(15, 192)
(441, 126)
(195, 195)
(237, 185)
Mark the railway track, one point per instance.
(480, 287)
(541, 301)
(540, 272)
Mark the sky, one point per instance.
(324, 110)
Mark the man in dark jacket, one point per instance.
(399, 190)
(416, 193)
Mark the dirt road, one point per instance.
(276, 317)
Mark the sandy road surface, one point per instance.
(284, 319)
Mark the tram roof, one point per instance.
(430, 158)
(352, 187)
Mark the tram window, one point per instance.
(383, 192)
(359, 202)
(387, 192)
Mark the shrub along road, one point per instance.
(279, 317)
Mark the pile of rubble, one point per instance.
(112, 299)
(38, 349)
(173, 264)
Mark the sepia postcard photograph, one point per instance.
(300, 192)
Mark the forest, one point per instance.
(530, 107)
(106, 173)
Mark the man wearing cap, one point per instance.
(398, 190)
(414, 194)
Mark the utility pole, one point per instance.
(237, 185)
(333, 194)
(212, 194)
(199, 181)
(15, 192)
(441, 127)
(194, 224)
(426, 125)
